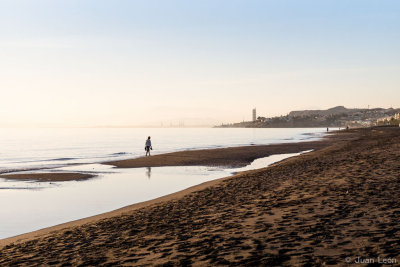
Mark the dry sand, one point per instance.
(315, 209)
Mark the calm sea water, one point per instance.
(37, 148)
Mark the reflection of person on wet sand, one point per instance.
(148, 146)
(148, 172)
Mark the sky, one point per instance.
(87, 63)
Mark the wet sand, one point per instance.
(48, 177)
(319, 208)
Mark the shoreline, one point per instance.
(242, 155)
(120, 211)
(237, 156)
(195, 186)
(230, 157)
(105, 159)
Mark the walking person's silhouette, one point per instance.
(148, 146)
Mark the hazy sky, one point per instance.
(88, 63)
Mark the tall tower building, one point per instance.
(254, 114)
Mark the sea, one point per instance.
(30, 205)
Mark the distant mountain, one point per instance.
(332, 111)
(334, 117)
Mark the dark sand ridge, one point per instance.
(48, 176)
(317, 208)
(232, 156)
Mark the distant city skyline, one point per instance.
(148, 63)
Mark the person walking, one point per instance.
(148, 146)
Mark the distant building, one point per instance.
(262, 119)
(387, 120)
(254, 114)
(383, 120)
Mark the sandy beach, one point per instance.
(333, 206)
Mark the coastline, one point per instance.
(117, 212)
(238, 156)
(263, 210)
(57, 152)
(228, 157)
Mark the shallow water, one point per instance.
(28, 206)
